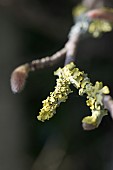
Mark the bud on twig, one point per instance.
(18, 78)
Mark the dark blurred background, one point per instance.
(31, 29)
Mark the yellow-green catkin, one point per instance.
(68, 75)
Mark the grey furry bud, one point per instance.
(18, 78)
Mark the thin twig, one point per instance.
(48, 61)
(101, 14)
(71, 47)
(20, 74)
(91, 4)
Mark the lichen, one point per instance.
(59, 95)
(68, 75)
(78, 10)
(94, 27)
(97, 26)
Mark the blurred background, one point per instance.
(31, 29)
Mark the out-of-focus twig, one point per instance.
(101, 14)
(91, 4)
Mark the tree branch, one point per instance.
(101, 14)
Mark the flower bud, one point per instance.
(18, 78)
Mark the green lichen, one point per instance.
(68, 75)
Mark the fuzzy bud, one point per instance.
(18, 78)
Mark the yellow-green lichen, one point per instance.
(95, 26)
(98, 26)
(59, 95)
(68, 75)
(78, 10)
(95, 119)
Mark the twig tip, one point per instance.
(18, 78)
